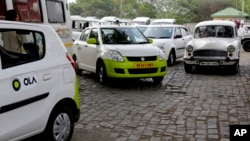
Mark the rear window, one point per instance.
(20, 47)
(55, 11)
(28, 10)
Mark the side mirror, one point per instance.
(178, 36)
(91, 41)
(150, 40)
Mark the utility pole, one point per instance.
(120, 8)
(243, 5)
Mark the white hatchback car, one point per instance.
(171, 39)
(215, 44)
(39, 88)
(114, 51)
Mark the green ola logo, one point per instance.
(16, 84)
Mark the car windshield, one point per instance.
(219, 31)
(158, 32)
(122, 36)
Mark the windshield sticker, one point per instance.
(24, 82)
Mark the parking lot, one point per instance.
(197, 106)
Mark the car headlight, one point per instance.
(230, 48)
(161, 47)
(116, 56)
(162, 56)
(189, 48)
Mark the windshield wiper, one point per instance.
(151, 37)
(162, 37)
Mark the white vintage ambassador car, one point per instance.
(215, 44)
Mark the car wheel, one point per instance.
(101, 73)
(157, 80)
(235, 68)
(78, 70)
(187, 68)
(171, 58)
(246, 46)
(60, 125)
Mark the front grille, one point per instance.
(205, 53)
(142, 58)
(121, 71)
(163, 69)
(142, 71)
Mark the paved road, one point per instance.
(190, 107)
(185, 107)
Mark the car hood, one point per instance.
(135, 49)
(212, 43)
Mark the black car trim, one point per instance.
(19, 104)
(180, 48)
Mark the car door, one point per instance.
(179, 42)
(23, 77)
(187, 36)
(88, 52)
(80, 47)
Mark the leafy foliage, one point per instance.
(184, 11)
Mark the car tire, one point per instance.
(157, 80)
(171, 58)
(235, 68)
(246, 46)
(101, 73)
(187, 68)
(78, 70)
(60, 125)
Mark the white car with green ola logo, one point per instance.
(39, 88)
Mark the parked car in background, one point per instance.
(141, 21)
(75, 35)
(39, 89)
(171, 39)
(163, 21)
(112, 51)
(215, 44)
(245, 39)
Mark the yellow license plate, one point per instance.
(144, 65)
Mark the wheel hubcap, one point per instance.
(62, 127)
(101, 74)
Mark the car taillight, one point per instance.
(73, 63)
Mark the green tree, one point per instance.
(193, 10)
(147, 10)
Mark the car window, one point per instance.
(220, 31)
(55, 11)
(184, 32)
(177, 31)
(20, 47)
(93, 33)
(84, 35)
(158, 32)
(122, 36)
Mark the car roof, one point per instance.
(216, 22)
(141, 18)
(161, 25)
(163, 20)
(112, 26)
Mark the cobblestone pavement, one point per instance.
(184, 107)
(190, 107)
